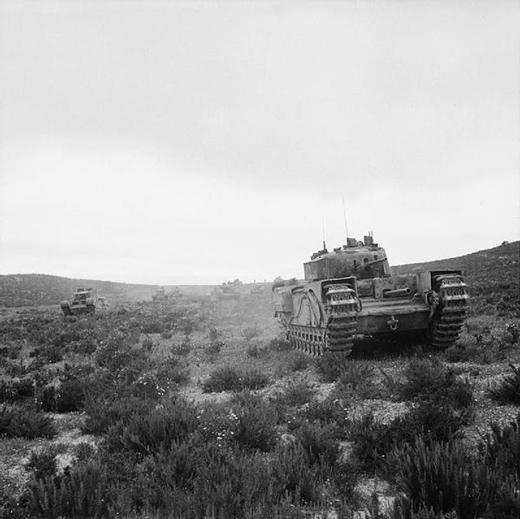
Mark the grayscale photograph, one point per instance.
(260, 259)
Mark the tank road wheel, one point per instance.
(450, 313)
(307, 339)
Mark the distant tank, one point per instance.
(175, 293)
(160, 295)
(84, 301)
(227, 291)
(351, 292)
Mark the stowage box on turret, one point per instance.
(351, 292)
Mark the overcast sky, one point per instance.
(176, 142)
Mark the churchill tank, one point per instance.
(160, 295)
(84, 301)
(350, 292)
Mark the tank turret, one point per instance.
(363, 260)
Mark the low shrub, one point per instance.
(216, 343)
(294, 476)
(280, 345)
(254, 379)
(424, 377)
(84, 346)
(330, 367)
(431, 383)
(356, 378)
(465, 353)
(254, 423)
(153, 431)
(329, 411)
(184, 348)
(68, 396)
(501, 453)
(172, 373)
(25, 422)
(443, 477)
(373, 441)
(436, 422)
(217, 423)
(320, 444)
(117, 355)
(148, 387)
(83, 491)
(241, 485)
(298, 361)
(49, 353)
(42, 462)
(84, 451)
(14, 390)
(253, 350)
(206, 480)
(103, 412)
(508, 391)
(503, 448)
(10, 504)
(221, 379)
(250, 333)
(297, 392)
(148, 344)
(17, 368)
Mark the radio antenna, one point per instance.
(323, 230)
(345, 220)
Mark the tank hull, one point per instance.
(84, 302)
(378, 317)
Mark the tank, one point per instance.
(84, 301)
(160, 295)
(227, 291)
(350, 292)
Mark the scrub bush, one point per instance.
(84, 491)
(25, 422)
(330, 367)
(103, 412)
(145, 433)
(330, 411)
(443, 477)
(253, 422)
(319, 443)
(508, 391)
(14, 390)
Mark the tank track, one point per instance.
(451, 311)
(337, 334)
(308, 339)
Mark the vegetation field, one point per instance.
(196, 408)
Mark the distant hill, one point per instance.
(492, 275)
(42, 289)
